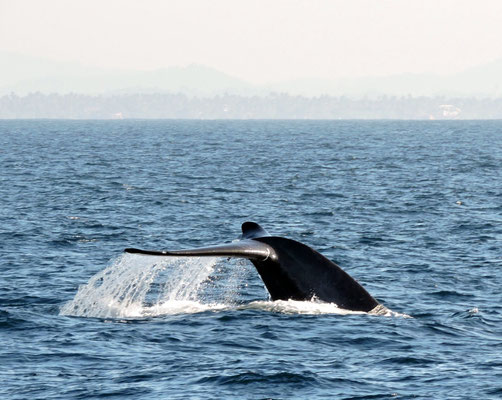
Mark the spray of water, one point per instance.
(138, 286)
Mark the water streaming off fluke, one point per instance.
(137, 286)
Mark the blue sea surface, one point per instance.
(411, 209)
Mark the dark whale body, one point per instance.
(289, 269)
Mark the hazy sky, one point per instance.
(259, 40)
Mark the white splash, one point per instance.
(314, 308)
(383, 311)
(182, 307)
(299, 307)
(128, 287)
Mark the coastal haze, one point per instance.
(105, 54)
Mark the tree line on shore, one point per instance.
(272, 106)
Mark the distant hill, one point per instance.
(23, 74)
(481, 81)
(15, 68)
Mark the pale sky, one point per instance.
(260, 41)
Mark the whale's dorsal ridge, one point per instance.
(251, 230)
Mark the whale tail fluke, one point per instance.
(289, 269)
(249, 249)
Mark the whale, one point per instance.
(290, 270)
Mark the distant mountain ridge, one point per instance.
(21, 75)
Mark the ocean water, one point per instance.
(412, 210)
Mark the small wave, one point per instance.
(450, 294)
(407, 360)
(249, 377)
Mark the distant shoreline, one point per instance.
(275, 106)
